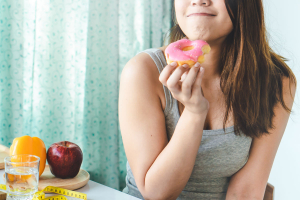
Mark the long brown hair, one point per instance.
(251, 72)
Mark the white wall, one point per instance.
(283, 25)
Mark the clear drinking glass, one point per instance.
(21, 176)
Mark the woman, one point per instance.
(211, 134)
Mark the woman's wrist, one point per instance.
(195, 116)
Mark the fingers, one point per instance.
(184, 75)
(167, 71)
(197, 90)
(172, 82)
(189, 80)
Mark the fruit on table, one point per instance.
(64, 159)
(29, 145)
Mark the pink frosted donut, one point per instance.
(185, 51)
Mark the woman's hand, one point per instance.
(188, 91)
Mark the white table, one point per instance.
(94, 191)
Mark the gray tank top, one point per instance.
(220, 155)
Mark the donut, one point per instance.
(185, 51)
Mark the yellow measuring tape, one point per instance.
(40, 195)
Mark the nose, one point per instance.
(201, 2)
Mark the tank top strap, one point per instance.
(160, 62)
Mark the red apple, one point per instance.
(64, 159)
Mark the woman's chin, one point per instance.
(210, 40)
(199, 38)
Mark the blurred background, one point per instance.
(60, 65)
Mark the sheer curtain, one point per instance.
(60, 64)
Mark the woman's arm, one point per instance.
(250, 182)
(172, 168)
(161, 169)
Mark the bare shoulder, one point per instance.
(141, 65)
(143, 68)
(289, 88)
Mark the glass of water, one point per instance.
(21, 176)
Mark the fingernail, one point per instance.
(201, 69)
(185, 65)
(197, 64)
(174, 64)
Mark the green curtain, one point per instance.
(60, 65)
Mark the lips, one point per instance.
(200, 14)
